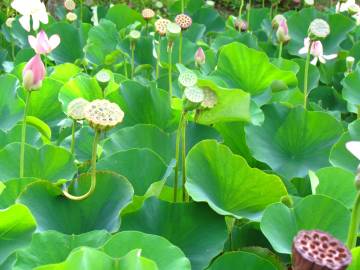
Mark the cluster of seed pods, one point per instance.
(316, 250)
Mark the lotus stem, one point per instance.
(306, 75)
(132, 47)
(23, 134)
(125, 67)
(182, 6)
(177, 154)
(170, 49)
(72, 147)
(180, 47)
(241, 8)
(93, 172)
(183, 157)
(248, 15)
(81, 10)
(280, 49)
(158, 59)
(263, 3)
(354, 224)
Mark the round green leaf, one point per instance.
(281, 224)
(99, 211)
(228, 184)
(64, 72)
(122, 15)
(48, 162)
(13, 189)
(166, 255)
(53, 247)
(351, 87)
(293, 141)
(33, 136)
(192, 227)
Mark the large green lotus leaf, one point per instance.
(250, 70)
(48, 162)
(143, 50)
(16, 227)
(73, 40)
(313, 77)
(53, 247)
(84, 138)
(340, 26)
(143, 105)
(86, 258)
(337, 183)
(100, 211)
(141, 137)
(280, 224)
(340, 156)
(192, 227)
(44, 104)
(11, 106)
(65, 72)
(355, 264)
(228, 184)
(122, 16)
(33, 136)
(232, 105)
(293, 141)
(166, 255)
(209, 17)
(81, 86)
(13, 189)
(127, 163)
(96, 49)
(350, 85)
(241, 260)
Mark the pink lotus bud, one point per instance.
(282, 32)
(200, 57)
(42, 44)
(34, 73)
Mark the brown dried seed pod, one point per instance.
(210, 99)
(319, 250)
(184, 21)
(161, 26)
(148, 13)
(102, 114)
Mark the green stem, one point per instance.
(158, 60)
(182, 6)
(241, 8)
(132, 60)
(177, 154)
(180, 47)
(276, 9)
(183, 158)
(263, 3)
(12, 46)
(72, 147)
(354, 224)
(93, 172)
(81, 10)
(358, 111)
(125, 67)
(248, 15)
(280, 49)
(23, 134)
(306, 75)
(170, 49)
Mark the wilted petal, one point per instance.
(25, 22)
(314, 61)
(322, 59)
(54, 41)
(330, 56)
(303, 50)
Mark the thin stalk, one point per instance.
(241, 8)
(125, 67)
(132, 60)
(93, 172)
(23, 134)
(81, 10)
(354, 224)
(72, 147)
(306, 75)
(12, 46)
(358, 111)
(177, 154)
(182, 6)
(180, 47)
(183, 158)
(158, 60)
(248, 15)
(170, 49)
(280, 49)
(263, 3)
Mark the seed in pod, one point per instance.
(210, 99)
(194, 94)
(184, 21)
(148, 13)
(102, 114)
(75, 109)
(319, 250)
(173, 31)
(134, 35)
(187, 78)
(161, 26)
(318, 29)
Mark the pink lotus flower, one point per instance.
(200, 57)
(42, 44)
(34, 73)
(317, 51)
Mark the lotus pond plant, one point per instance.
(179, 135)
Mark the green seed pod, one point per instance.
(173, 31)
(193, 98)
(318, 30)
(210, 99)
(76, 107)
(103, 77)
(187, 79)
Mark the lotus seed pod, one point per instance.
(173, 31)
(69, 5)
(184, 21)
(75, 109)
(71, 17)
(276, 20)
(354, 9)
(210, 3)
(350, 63)
(103, 77)
(187, 79)
(103, 115)
(159, 5)
(319, 250)
(210, 99)
(9, 22)
(161, 26)
(148, 14)
(134, 35)
(194, 94)
(318, 29)
(309, 3)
